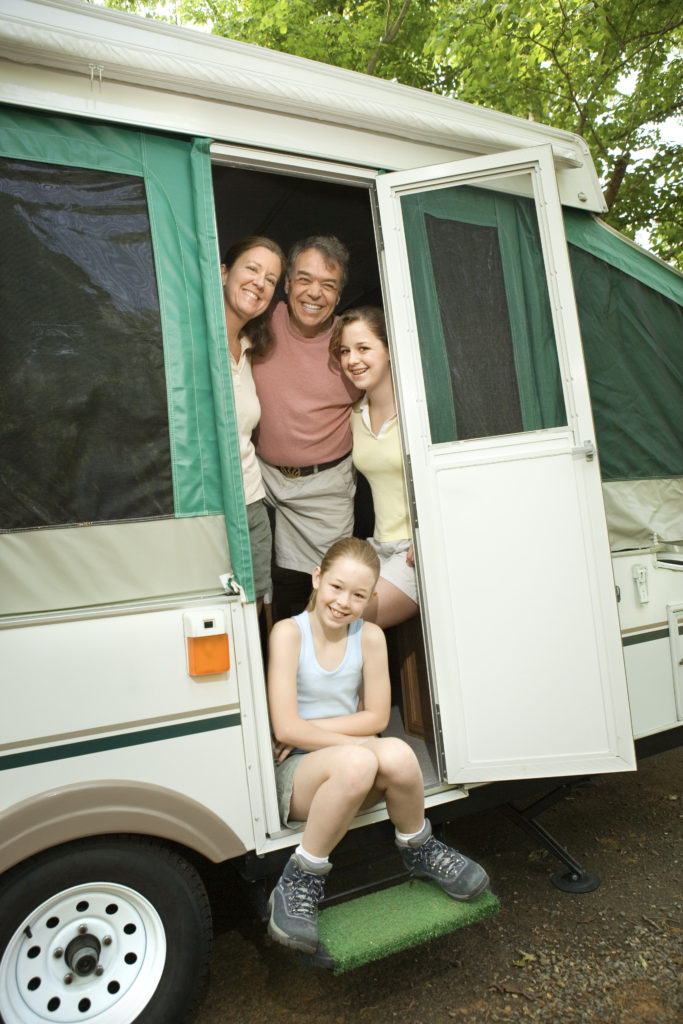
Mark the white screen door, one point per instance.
(513, 557)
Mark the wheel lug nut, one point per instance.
(68, 978)
(106, 941)
(99, 970)
(59, 952)
(82, 929)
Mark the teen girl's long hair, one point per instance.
(373, 316)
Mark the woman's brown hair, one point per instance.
(257, 330)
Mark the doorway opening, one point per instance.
(286, 207)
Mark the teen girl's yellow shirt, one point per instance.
(378, 457)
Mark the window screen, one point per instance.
(83, 414)
(476, 326)
(487, 340)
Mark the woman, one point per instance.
(250, 272)
(359, 344)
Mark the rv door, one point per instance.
(514, 566)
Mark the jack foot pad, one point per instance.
(575, 881)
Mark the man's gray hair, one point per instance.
(331, 250)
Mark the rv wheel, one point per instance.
(111, 930)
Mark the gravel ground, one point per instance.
(613, 956)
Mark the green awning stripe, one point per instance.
(590, 234)
(81, 748)
(208, 260)
(433, 352)
(57, 140)
(196, 471)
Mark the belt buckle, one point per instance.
(292, 472)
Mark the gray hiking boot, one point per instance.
(293, 905)
(457, 875)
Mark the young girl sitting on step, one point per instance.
(329, 697)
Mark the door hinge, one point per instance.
(410, 490)
(587, 449)
(438, 739)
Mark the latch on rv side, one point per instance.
(587, 449)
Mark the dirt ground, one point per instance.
(612, 956)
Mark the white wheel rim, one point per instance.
(34, 972)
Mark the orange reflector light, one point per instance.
(207, 655)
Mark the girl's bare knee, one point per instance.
(358, 770)
(398, 762)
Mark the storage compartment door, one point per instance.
(513, 558)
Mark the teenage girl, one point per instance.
(359, 344)
(250, 270)
(329, 698)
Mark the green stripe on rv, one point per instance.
(644, 638)
(81, 748)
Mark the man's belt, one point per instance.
(293, 472)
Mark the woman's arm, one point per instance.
(290, 729)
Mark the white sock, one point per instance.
(313, 861)
(405, 837)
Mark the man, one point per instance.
(303, 440)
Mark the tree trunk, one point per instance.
(616, 178)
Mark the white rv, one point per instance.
(134, 734)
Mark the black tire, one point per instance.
(113, 929)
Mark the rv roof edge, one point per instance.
(123, 48)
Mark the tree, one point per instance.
(610, 70)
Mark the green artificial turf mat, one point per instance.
(381, 923)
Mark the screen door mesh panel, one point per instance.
(484, 318)
(476, 327)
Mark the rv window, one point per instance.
(631, 340)
(484, 318)
(84, 426)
